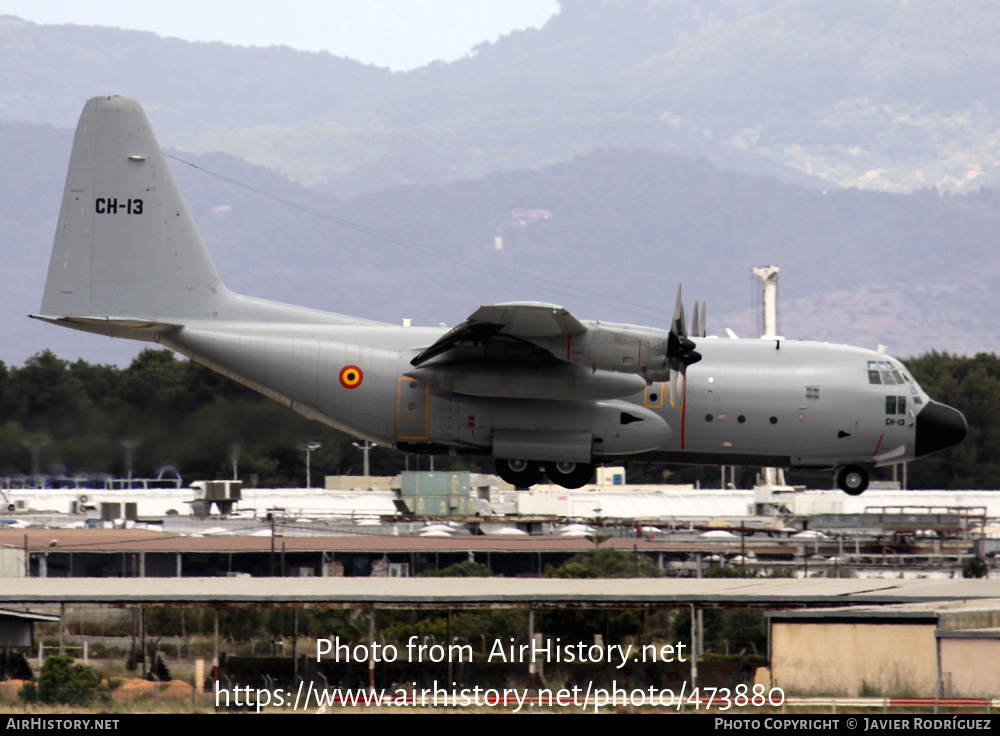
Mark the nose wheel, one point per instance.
(852, 480)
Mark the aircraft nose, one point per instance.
(939, 426)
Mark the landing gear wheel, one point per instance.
(569, 475)
(519, 473)
(852, 479)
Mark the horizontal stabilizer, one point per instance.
(129, 328)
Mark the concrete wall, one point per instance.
(11, 562)
(970, 667)
(853, 659)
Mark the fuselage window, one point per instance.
(895, 404)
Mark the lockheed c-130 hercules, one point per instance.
(541, 391)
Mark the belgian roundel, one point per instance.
(351, 376)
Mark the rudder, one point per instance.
(125, 244)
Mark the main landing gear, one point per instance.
(525, 473)
(852, 479)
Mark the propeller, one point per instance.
(680, 348)
(698, 320)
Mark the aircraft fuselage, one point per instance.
(528, 383)
(770, 401)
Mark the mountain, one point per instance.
(626, 146)
(878, 94)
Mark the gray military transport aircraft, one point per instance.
(528, 383)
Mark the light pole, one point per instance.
(130, 447)
(365, 448)
(309, 447)
(35, 448)
(234, 457)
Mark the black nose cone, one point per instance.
(939, 427)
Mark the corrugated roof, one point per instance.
(458, 592)
(135, 540)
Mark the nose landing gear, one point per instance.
(852, 480)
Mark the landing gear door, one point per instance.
(412, 400)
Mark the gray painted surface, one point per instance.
(127, 261)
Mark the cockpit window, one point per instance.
(885, 372)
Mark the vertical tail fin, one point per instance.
(125, 244)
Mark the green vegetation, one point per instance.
(605, 563)
(465, 569)
(731, 632)
(975, 567)
(971, 385)
(78, 414)
(63, 681)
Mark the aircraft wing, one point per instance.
(521, 350)
(505, 326)
(530, 319)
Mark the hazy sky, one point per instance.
(400, 34)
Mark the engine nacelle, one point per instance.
(612, 347)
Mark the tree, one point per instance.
(971, 385)
(605, 563)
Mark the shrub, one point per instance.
(62, 681)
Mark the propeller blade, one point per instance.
(680, 349)
(678, 326)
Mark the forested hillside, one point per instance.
(871, 93)
(184, 414)
(651, 142)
